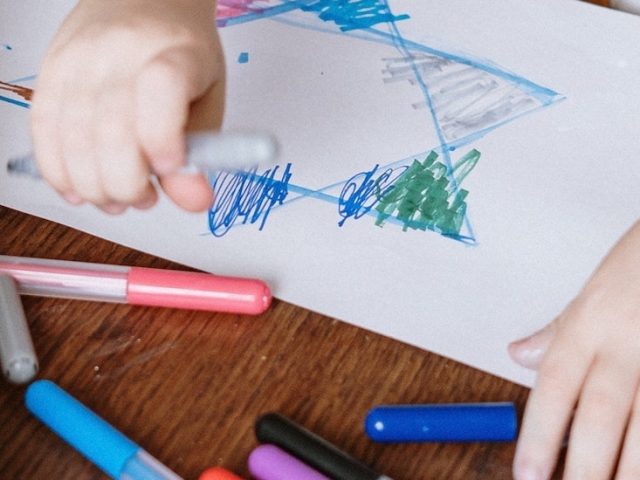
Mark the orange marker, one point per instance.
(218, 473)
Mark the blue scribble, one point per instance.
(362, 191)
(245, 197)
(243, 57)
(6, 46)
(353, 14)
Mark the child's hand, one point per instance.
(588, 359)
(121, 82)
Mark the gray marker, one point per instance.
(206, 151)
(17, 355)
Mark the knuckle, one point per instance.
(55, 178)
(88, 188)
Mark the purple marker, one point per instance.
(268, 462)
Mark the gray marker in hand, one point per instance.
(206, 151)
(17, 355)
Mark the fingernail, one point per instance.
(72, 197)
(145, 204)
(113, 208)
(524, 355)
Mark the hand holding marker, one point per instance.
(206, 152)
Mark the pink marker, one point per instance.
(137, 285)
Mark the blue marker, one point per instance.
(106, 447)
(472, 422)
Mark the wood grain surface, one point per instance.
(187, 386)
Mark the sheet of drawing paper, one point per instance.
(451, 171)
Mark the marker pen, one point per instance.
(94, 438)
(17, 355)
(268, 462)
(136, 285)
(470, 422)
(313, 450)
(206, 151)
(217, 473)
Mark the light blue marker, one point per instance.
(106, 447)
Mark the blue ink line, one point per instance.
(304, 193)
(401, 46)
(259, 14)
(14, 102)
(542, 94)
(23, 79)
(243, 57)
(6, 46)
(353, 14)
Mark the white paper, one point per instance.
(547, 91)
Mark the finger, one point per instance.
(600, 420)
(629, 465)
(123, 170)
(77, 141)
(549, 407)
(147, 202)
(45, 117)
(190, 192)
(206, 113)
(164, 91)
(112, 208)
(528, 352)
(193, 192)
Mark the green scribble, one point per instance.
(427, 196)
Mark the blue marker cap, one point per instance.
(80, 427)
(471, 422)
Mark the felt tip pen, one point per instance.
(206, 151)
(268, 462)
(93, 437)
(218, 473)
(17, 355)
(466, 422)
(137, 285)
(276, 429)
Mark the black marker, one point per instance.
(278, 430)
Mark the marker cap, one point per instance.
(312, 449)
(80, 427)
(268, 462)
(17, 355)
(442, 423)
(197, 291)
(218, 473)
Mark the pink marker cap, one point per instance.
(197, 291)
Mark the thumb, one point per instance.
(528, 352)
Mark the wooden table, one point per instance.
(188, 386)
